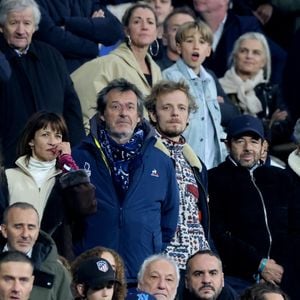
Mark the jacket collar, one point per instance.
(10, 53)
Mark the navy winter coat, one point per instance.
(142, 223)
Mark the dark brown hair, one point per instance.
(120, 289)
(36, 122)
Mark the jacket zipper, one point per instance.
(264, 210)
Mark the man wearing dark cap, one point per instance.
(249, 208)
(95, 279)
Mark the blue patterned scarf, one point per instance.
(121, 157)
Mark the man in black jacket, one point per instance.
(205, 278)
(39, 78)
(249, 207)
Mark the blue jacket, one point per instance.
(68, 26)
(203, 89)
(142, 223)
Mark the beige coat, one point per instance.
(23, 188)
(94, 75)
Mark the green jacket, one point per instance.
(52, 281)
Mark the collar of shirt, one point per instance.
(23, 52)
(218, 34)
(29, 253)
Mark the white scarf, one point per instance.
(233, 84)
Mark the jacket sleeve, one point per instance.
(62, 283)
(4, 194)
(170, 208)
(72, 110)
(79, 194)
(66, 42)
(107, 30)
(5, 70)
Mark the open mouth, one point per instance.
(195, 56)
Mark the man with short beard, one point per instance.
(205, 278)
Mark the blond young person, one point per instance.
(204, 133)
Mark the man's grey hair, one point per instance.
(153, 258)
(122, 85)
(8, 6)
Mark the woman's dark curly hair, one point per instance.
(120, 289)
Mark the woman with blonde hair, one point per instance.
(129, 60)
(247, 83)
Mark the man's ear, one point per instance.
(4, 230)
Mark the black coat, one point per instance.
(4, 68)
(39, 81)
(69, 27)
(238, 223)
(270, 97)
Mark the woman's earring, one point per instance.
(128, 40)
(154, 52)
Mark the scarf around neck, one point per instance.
(121, 156)
(233, 84)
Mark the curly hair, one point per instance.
(120, 289)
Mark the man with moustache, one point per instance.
(249, 204)
(204, 278)
(136, 188)
(169, 105)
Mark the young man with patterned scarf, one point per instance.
(136, 188)
(170, 104)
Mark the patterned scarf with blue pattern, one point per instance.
(121, 156)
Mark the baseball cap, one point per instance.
(95, 272)
(245, 124)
